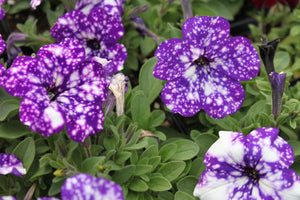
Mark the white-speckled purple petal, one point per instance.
(112, 7)
(208, 32)
(2, 44)
(35, 3)
(83, 120)
(169, 65)
(71, 25)
(222, 95)
(19, 78)
(8, 198)
(85, 186)
(2, 12)
(249, 168)
(110, 27)
(10, 164)
(237, 59)
(41, 114)
(268, 151)
(2, 70)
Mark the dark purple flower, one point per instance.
(12, 49)
(269, 3)
(253, 167)
(10, 164)
(85, 186)
(2, 69)
(97, 32)
(2, 13)
(204, 69)
(112, 7)
(59, 88)
(277, 87)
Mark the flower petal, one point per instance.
(84, 186)
(268, 151)
(237, 59)
(40, 114)
(10, 164)
(109, 27)
(282, 184)
(169, 65)
(35, 3)
(222, 94)
(208, 32)
(19, 78)
(82, 120)
(70, 24)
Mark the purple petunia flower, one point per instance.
(8, 198)
(204, 69)
(253, 167)
(97, 32)
(10, 164)
(85, 186)
(112, 7)
(2, 12)
(35, 3)
(59, 88)
(2, 69)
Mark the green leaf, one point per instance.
(138, 185)
(142, 169)
(186, 149)
(122, 157)
(187, 184)
(91, 165)
(13, 129)
(55, 188)
(180, 195)
(167, 151)
(40, 172)
(150, 85)
(165, 196)
(140, 110)
(154, 161)
(159, 183)
(149, 152)
(157, 117)
(204, 140)
(147, 45)
(19, 6)
(281, 60)
(8, 106)
(197, 167)
(172, 170)
(124, 174)
(296, 147)
(25, 151)
(137, 146)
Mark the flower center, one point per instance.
(202, 61)
(252, 173)
(93, 44)
(52, 94)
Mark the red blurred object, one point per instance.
(269, 3)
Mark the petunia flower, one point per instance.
(253, 167)
(270, 3)
(85, 186)
(97, 32)
(2, 69)
(35, 3)
(2, 12)
(112, 7)
(59, 88)
(10, 164)
(204, 69)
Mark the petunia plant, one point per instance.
(149, 100)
